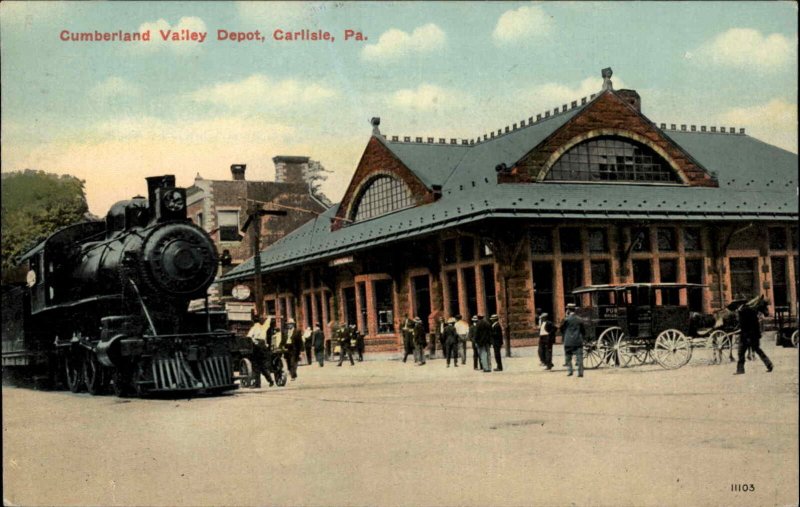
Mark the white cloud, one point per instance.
(525, 23)
(427, 97)
(113, 87)
(259, 90)
(774, 122)
(746, 47)
(394, 43)
(191, 23)
(550, 95)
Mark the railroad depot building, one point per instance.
(592, 192)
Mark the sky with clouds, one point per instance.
(113, 113)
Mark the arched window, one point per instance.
(382, 195)
(610, 158)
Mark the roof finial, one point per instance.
(606, 73)
(375, 121)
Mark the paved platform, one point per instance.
(387, 433)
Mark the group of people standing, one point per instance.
(483, 334)
(414, 341)
(268, 354)
(349, 340)
(454, 334)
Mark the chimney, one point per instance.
(289, 169)
(631, 97)
(237, 171)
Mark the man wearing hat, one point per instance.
(344, 336)
(483, 339)
(318, 341)
(408, 338)
(462, 330)
(291, 344)
(261, 353)
(497, 341)
(573, 331)
(419, 341)
(451, 342)
(476, 363)
(547, 336)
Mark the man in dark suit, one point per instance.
(483, 339)
(547, 336)
(497, 342)
(750, 338)
(318, 340)
(291, 344)
(408, 338)
(573, 331)
(419, 340)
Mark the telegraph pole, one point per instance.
(254, 214)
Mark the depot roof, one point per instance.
(757, 182)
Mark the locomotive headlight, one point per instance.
(173, 200)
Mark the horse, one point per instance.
(727, 321)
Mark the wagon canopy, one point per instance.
(629, 286)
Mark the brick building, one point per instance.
(591, 192)
(220, 207)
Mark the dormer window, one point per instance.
(380, 196)
(611, 158)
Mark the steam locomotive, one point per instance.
(106, 303)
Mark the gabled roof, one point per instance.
(435, 164)
(757, 181)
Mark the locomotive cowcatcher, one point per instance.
(105, 304)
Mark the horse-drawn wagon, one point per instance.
(628, 323)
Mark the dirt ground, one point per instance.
(387, 433)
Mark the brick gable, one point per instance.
(376, 160)
(609, 114)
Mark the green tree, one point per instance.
(34, 205)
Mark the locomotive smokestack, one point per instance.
(154, 182)
(237, 171)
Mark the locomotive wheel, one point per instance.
(93, 375)
(794, 339)
(592, 356)
(610, 342)
(246, 373)
(672, 349)
(74, 374)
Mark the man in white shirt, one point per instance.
(462, 330)
(261, 353)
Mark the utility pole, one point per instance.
(254, 214)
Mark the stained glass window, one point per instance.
(383, 195)
(609, 158)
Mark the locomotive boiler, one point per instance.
(106, 302)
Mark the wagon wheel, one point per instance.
(794, 339)
(672, 349)
(246, 373)
(94, 376)
(610, 342)
(632, 354)
(592, 356)
(716, 343)
(74, 373)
